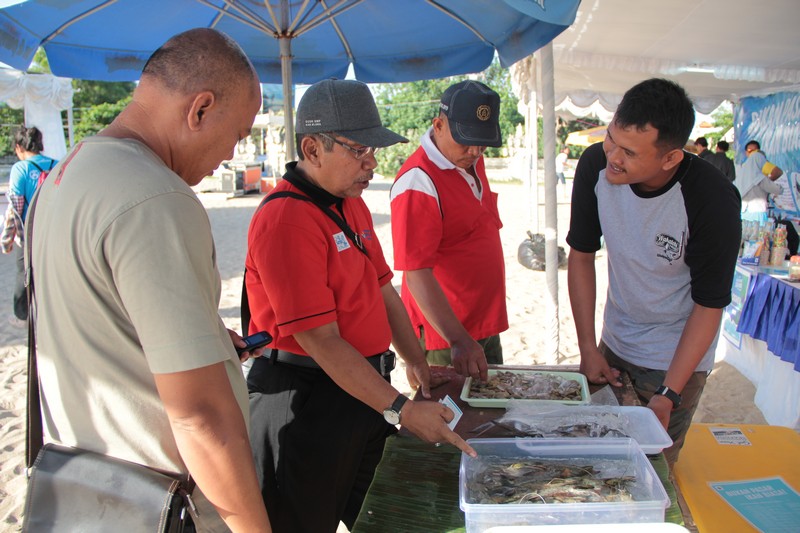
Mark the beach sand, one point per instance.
(728, 397)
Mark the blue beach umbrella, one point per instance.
(288, 41)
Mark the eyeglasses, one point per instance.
(358, 153)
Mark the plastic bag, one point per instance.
(525, 419)
(530, 252)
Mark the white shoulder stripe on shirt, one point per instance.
(415, 180)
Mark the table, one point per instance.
(761, 339)
(415, 488)
(758, 452)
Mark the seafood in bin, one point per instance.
(524, 481)
(530, 385)
(521, 480)
(523, 419)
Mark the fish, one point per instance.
(524, 481)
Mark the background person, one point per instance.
(720, 160)
(446, 234)
(672, 233)
(322, 405)
(561, 164)
(134, 359)
(756, 182)
(701, 145)
(22, 184)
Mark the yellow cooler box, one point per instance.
(740, 477)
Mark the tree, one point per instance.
(10, 119)
(98, 117)
(88, 93)
(408, 108)
(723, 119)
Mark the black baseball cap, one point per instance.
(347, 108)
(473, 112)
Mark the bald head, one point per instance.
(197, 60)
(196, 99)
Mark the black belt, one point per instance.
(383, 362)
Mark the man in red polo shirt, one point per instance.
(446, 234)
(322, 404)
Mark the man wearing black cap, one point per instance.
(446, 234)
(322, 404)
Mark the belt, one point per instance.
(383, 362)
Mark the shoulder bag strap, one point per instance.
(307, 189)
(244, 308)
(33, 423)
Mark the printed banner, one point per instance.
(773, 121)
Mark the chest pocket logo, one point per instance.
(341, 241)
(670, 248)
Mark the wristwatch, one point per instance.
(392, 414)
(673, 396)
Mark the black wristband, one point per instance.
(673, 396)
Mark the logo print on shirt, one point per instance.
(366, 235)
(341, 241)
(672, 247)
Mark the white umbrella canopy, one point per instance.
(288, 41)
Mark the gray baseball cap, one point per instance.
(347, 108)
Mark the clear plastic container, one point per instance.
(794, 268)
(593, 528)
(636, 422)
(649, 503)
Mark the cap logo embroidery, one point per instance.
(484, 112)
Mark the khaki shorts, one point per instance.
(646, 381)
(491, 347)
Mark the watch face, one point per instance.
(391, 417)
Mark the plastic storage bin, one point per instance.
(636, 422)
(593, 528)
(650, 498)
(501, 402)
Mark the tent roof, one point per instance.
(716, 49)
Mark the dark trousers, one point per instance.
(20, 298)
(646, 381)
(316, 447)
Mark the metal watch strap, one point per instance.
(673, 396)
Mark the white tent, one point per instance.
(43, 96)
(716, 49)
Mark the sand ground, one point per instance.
(728, 397)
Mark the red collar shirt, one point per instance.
(302, 273)
(442, 220)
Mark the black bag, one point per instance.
(792, 238)
(76, 490)
(530, 252)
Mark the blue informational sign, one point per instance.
(768, 504)
(774, 121)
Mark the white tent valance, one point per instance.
(43, 97)
(716, 49)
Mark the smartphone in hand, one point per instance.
(255, 341)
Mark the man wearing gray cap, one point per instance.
(446, 234)
(322, 404)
